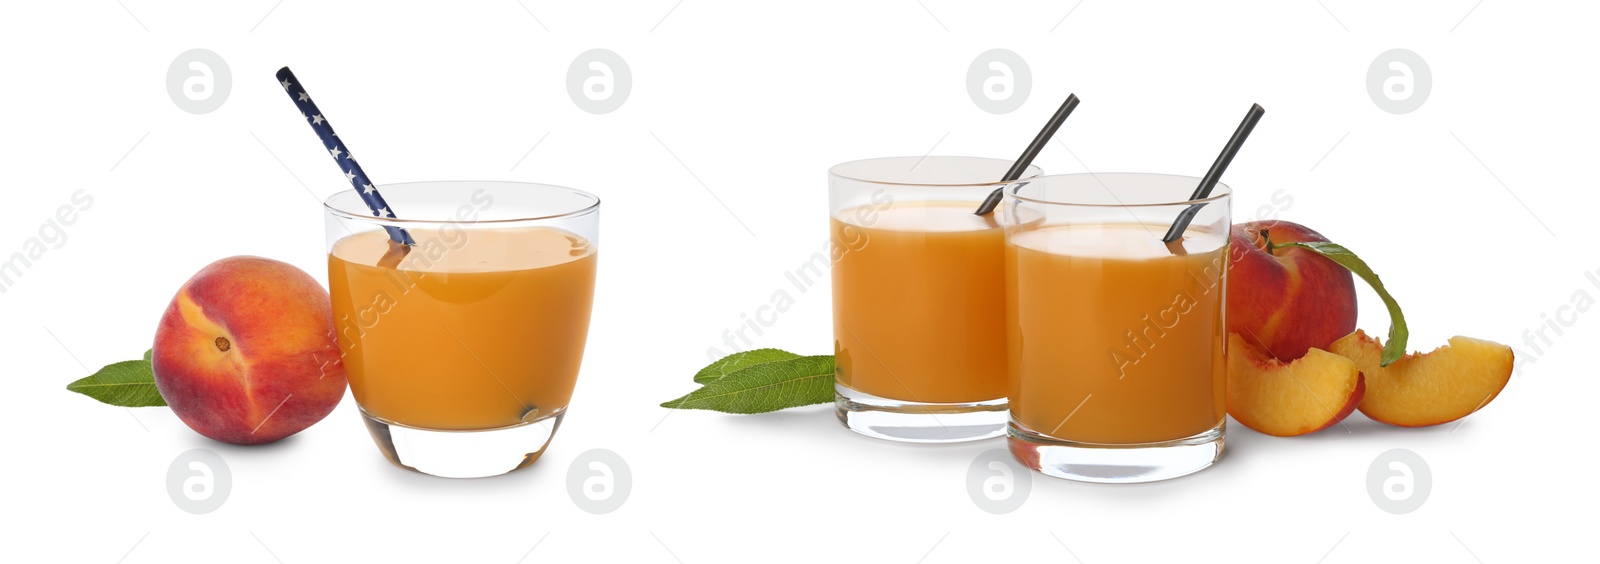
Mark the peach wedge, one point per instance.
(1432, 388)
(1286, 399)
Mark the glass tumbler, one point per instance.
(918, 298)
(1116, 340)
(463, 349)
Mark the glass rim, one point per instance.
(1218, 193)
(592, 207)
(834, 171)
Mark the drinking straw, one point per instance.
(1028, 154)
(341, 154)
(1209, 182)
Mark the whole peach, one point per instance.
(1288, 300)
(245, 353)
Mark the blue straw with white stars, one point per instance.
(341, 153)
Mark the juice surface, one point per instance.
(1112, 338)
(918, 310)
(473, 329)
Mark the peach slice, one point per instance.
(1286, 399)
(1428, 389)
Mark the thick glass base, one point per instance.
(915, 422)
(1116, 464)
(463, 454)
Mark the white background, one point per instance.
(1478, 209)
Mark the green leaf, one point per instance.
(148, 353)
(769, 386)
(128, 383)
(1395, 346)
(739, 361)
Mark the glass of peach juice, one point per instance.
(918, 286)
(463, 349)
(1116, 341)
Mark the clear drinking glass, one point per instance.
(463, 350)
(918, 298)
(1116, 341)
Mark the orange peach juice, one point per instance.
(473, 329)
(1113, 338)
(917, 310)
